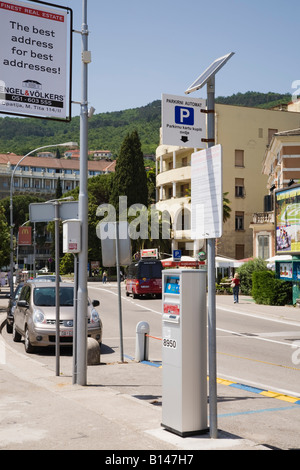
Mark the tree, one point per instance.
(226, 207)
(246, 271)
(130, 176)
(4, 239)
(58, 192)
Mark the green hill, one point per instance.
(107, 130)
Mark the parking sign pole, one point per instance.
(212, 354)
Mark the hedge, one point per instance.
(267, 290)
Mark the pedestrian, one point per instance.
(235, 284)
(104, 277)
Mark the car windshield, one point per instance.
(45, 296)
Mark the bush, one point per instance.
(245, 272)
(66, 265)
(267, 290)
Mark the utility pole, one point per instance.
(83, 211)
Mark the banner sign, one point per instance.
(287, 220)
(24, 236)
(35, 59)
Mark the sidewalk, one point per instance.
(120, 408)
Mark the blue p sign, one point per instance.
(184, 116)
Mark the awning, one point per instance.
(223, 262)
(186, 261)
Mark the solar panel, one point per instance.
(209, 72)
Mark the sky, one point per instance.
(142, 49)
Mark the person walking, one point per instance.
(104, 277)
(235, 284)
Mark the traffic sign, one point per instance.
(176, 255)
(183, 121)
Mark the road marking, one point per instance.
(254, 336)
(255, 315)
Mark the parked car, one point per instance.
(46, 277)
(11, 308)
(43, 270)
(35, 316)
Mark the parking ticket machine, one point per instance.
(184, 352)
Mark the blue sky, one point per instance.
(141, 49)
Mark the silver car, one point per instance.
(35, 316)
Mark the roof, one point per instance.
(287, 133)
(56, 163)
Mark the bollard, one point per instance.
(142, 341)
(93, 352)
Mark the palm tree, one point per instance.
(226, 207)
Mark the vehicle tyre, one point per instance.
(28, 346)
(16, 335)
(9, 327)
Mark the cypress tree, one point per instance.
(130, 176)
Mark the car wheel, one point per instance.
(9, 327)
(28, 346)
(16, 335)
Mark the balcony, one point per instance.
(177, 175)
(263, 218)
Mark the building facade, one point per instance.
(281, 165)
(39, 175)
(244, 134)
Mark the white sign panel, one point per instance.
(107, 232)
(34, 59)
(183, 122)
(45, 212)
(207, 193)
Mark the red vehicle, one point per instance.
(144, 278)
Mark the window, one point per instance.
(25, 293)
(263, 246)
(239, 251)
(239, 158)
(183, 220)
(239, 221)
(184, 190)
(184, 161)
(239, 187)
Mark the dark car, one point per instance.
(11, 308)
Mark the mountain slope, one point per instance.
(108, 130)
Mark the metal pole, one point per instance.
(83, 214)
(119, 291)
(57, 306)
(75, 320)
(213, 425)
(34, 249)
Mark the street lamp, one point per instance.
(66, 144)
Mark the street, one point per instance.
(256, 349)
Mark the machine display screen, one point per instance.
(172, 285)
